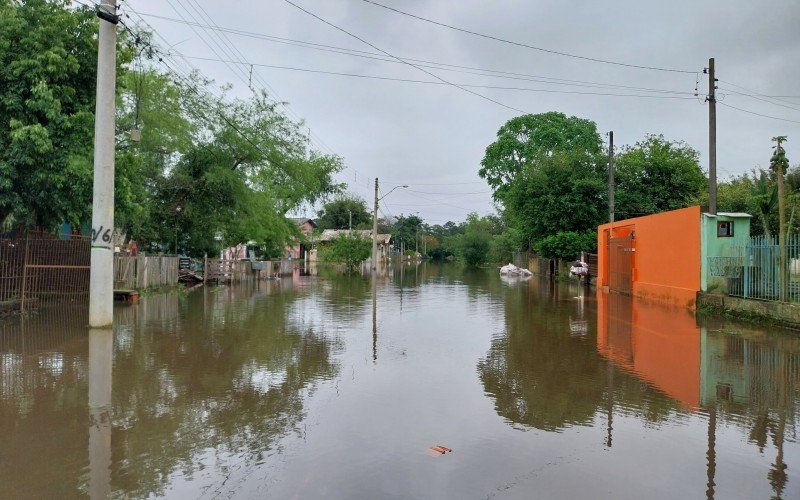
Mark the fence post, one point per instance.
(24, 274)
(746, 277)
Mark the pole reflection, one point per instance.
(101, 345)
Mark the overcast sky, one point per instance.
(432, 137)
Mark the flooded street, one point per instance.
(287, 389)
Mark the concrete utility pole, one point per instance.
(351, 219)
(712, 139)
(611, 176)
(101, 280)
(375, 230)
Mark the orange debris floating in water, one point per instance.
(440, 450)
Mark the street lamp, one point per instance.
(375, 223)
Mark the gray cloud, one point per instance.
(427, 134)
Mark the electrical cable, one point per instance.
(424, 62)
(525, 45)
(758, 114)
(460, 85)
(402, 60)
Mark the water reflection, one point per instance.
(101, 347)
(737, 373)
(218, 373)
(275, 389)
(539, 373)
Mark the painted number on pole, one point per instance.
(104, 236)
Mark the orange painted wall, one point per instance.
(658, 343)
(666, 260)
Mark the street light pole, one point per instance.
(375, 223)
(375, 229)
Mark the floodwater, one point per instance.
(297, 389)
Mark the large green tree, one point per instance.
(557, 192)
(239, 185)
(336, 214)
(657, 175)
(48, 61)
(521, 141)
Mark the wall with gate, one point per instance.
(664, 255)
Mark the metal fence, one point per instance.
(38, 267)
(755, 272)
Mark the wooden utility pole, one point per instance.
(712, 139)
(779, 164)
(611, 176)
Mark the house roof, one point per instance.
(302, 220)
(729, 214)
(330, 234)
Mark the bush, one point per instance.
(566, 245)
(474, 248)
(350, 250)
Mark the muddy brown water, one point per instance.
(288, 389)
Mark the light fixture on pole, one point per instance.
(374, 258)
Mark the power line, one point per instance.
(757, 114)
(421, 62)
(525, 45)
(402, 60)
(760, 94)
(753, 96)
(428, 82)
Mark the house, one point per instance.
(299, 249)
(670, 256)
(384, 240)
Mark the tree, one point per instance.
(563, 192)
(656, 175)
(525, 139)
(239, 184)
(151, 104)
(336, 214)
(472, 247)
(566, 245)
(48, 64)
(405, 230)
(348, 249)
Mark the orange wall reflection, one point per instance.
(660, 344)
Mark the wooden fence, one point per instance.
(139, 272)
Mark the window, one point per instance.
(725, 229)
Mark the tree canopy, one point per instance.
(48, 64)
(195, 171)
(656, 175)
(524, 139)
(336, 214)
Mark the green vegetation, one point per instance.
(348, 249)
(194, 172)
(549, 177)
(337, 213)
(566, 245)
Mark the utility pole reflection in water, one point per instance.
(101, 344)
(711, 454)
(374, 316)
